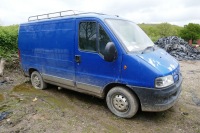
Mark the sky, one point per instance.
(177, 12)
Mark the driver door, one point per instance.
(92, 72)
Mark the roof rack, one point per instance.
(58, 14)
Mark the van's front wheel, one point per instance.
(122, 102)
(37, 81)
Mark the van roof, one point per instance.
(60, 16)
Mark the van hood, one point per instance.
(160, 60)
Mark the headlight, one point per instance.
(164, 81)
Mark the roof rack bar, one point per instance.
(48, 15)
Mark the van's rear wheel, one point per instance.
(37, 81)
(122, 102)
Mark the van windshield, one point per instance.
(131, 35)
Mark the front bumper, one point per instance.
(155, 100)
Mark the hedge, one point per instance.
(8, 41)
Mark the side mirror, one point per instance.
(110, 52)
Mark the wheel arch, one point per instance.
(31, 70)
(108, 87)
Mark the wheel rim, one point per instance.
(36, 81)
(120, 103)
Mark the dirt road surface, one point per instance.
(58, 111)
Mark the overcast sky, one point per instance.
(179, 12)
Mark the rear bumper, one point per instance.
(155, 100)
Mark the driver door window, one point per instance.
(88, 40)
(87, 36)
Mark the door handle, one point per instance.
(78, 58)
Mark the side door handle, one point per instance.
(77, 58)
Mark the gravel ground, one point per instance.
(60, 111)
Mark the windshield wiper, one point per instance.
(149, 48)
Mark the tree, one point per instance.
(166, 29)
(190, 32)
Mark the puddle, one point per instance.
(28, 90)
(58, 103)
(24, 88)
(44, 96)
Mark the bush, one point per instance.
(8, 41)
(190, 32)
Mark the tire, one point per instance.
(122, 102)
(37, 81)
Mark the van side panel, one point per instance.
(49, 48)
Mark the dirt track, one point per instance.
(53, 111)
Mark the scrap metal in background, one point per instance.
(178, 48)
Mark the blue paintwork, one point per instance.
(161, 61)
(142, 69)
(50, 47)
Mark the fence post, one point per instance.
(198, 42)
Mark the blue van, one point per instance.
(101, 55)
